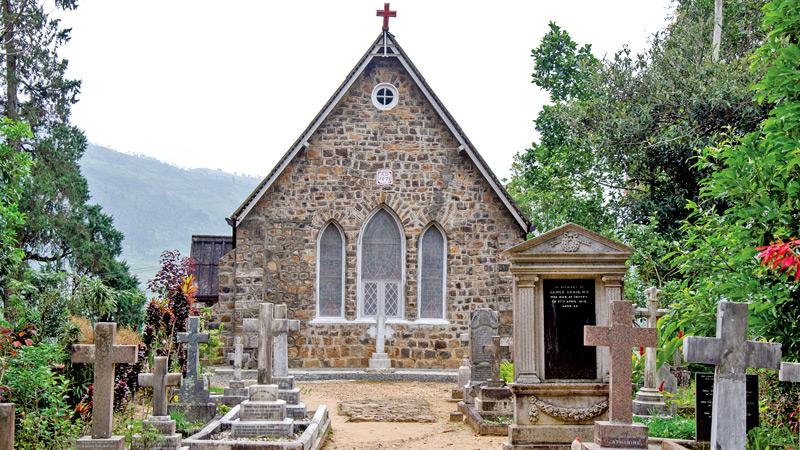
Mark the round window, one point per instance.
(384, 96)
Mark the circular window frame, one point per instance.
(391, 104)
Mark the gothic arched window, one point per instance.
(330, 272)
(382, 260)
(432, 273)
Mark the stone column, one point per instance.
(6, 426)
(524, 333)
(612, 291)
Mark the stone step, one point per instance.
(262, 410)
(255, 428)
(292, 396)
(296, 412)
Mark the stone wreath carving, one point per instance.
(571, 242)
(564, 413)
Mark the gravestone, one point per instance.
(379, 361)
(7, 417)
(732, 354)
(281, 326)
(266, 313)
(236, 392)
(104, 354)
(568, 305)
(620, 337)
(161, 381)
(649, 401)
(704, 400)
(483, 326)
(564, 279)
(195, 400)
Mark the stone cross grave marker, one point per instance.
(265, 344)
(790, 372)
(281, 326)
(160, 381)
(104, 354)
(193, 389)
(732, 354)
(7, 417)
(483, 326)
(649, 400)
(493, 349)
(380, 360)
(621, 337)
(237, 358)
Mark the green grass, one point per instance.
(216, 390)
(672, 427)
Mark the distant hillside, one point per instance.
(159, 206)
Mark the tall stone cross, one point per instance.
(652, 313)
(104, 354)
(620, 338)
(160, 381)
(238, 347)
(192, 339)
(281, 326)
(493, 349)
(380, 332)
(265, 344)
(386, 13)
(732, 354)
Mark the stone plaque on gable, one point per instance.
(568, 305)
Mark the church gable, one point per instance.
(385, 64)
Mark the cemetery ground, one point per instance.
(407, 435)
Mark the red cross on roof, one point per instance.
(386, 13)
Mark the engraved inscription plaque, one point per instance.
(568, 306)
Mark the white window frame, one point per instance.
(402, 294)
(395, 98)
(338, 228)
(444, 272)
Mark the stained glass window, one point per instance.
(331, 277)
(432, 257)
(381, 265)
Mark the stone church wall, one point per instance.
(334, 179)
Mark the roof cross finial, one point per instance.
(386, 14)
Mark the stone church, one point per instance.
(382, 204)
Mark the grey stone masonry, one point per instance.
(105, 355)
(160, 381)
(7, 417)
(732, 354)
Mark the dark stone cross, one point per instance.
(732, 354)
(160, 381)
(265, 342)
(104, 354)
(494, 350)
(620, 338)
(192, 339)
(386, 14)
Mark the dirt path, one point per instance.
(370, 435)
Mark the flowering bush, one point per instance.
(782, 257)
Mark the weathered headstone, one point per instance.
(7, 417)
(649, 401)
(195, 400)
(568, 305)
(493, 349)
(105, 355)
(732, 354)
(265, 342)
(704, 401)
(161, 381)
(620, 338)
(483, 326)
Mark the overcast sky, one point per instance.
(230, 85)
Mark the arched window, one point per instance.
(382, 261)
(330, 272)
(432, 273)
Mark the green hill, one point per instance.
(159, 206)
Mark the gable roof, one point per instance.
(385, 46)
(546, 241)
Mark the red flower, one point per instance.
(680, 334)
(661, 387)
(17, 344)
(641, 351)
(28, 342)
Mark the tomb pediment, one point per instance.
(569, 239)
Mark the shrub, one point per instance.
(669, 427)
(507, 371)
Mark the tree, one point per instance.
(61, 228)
